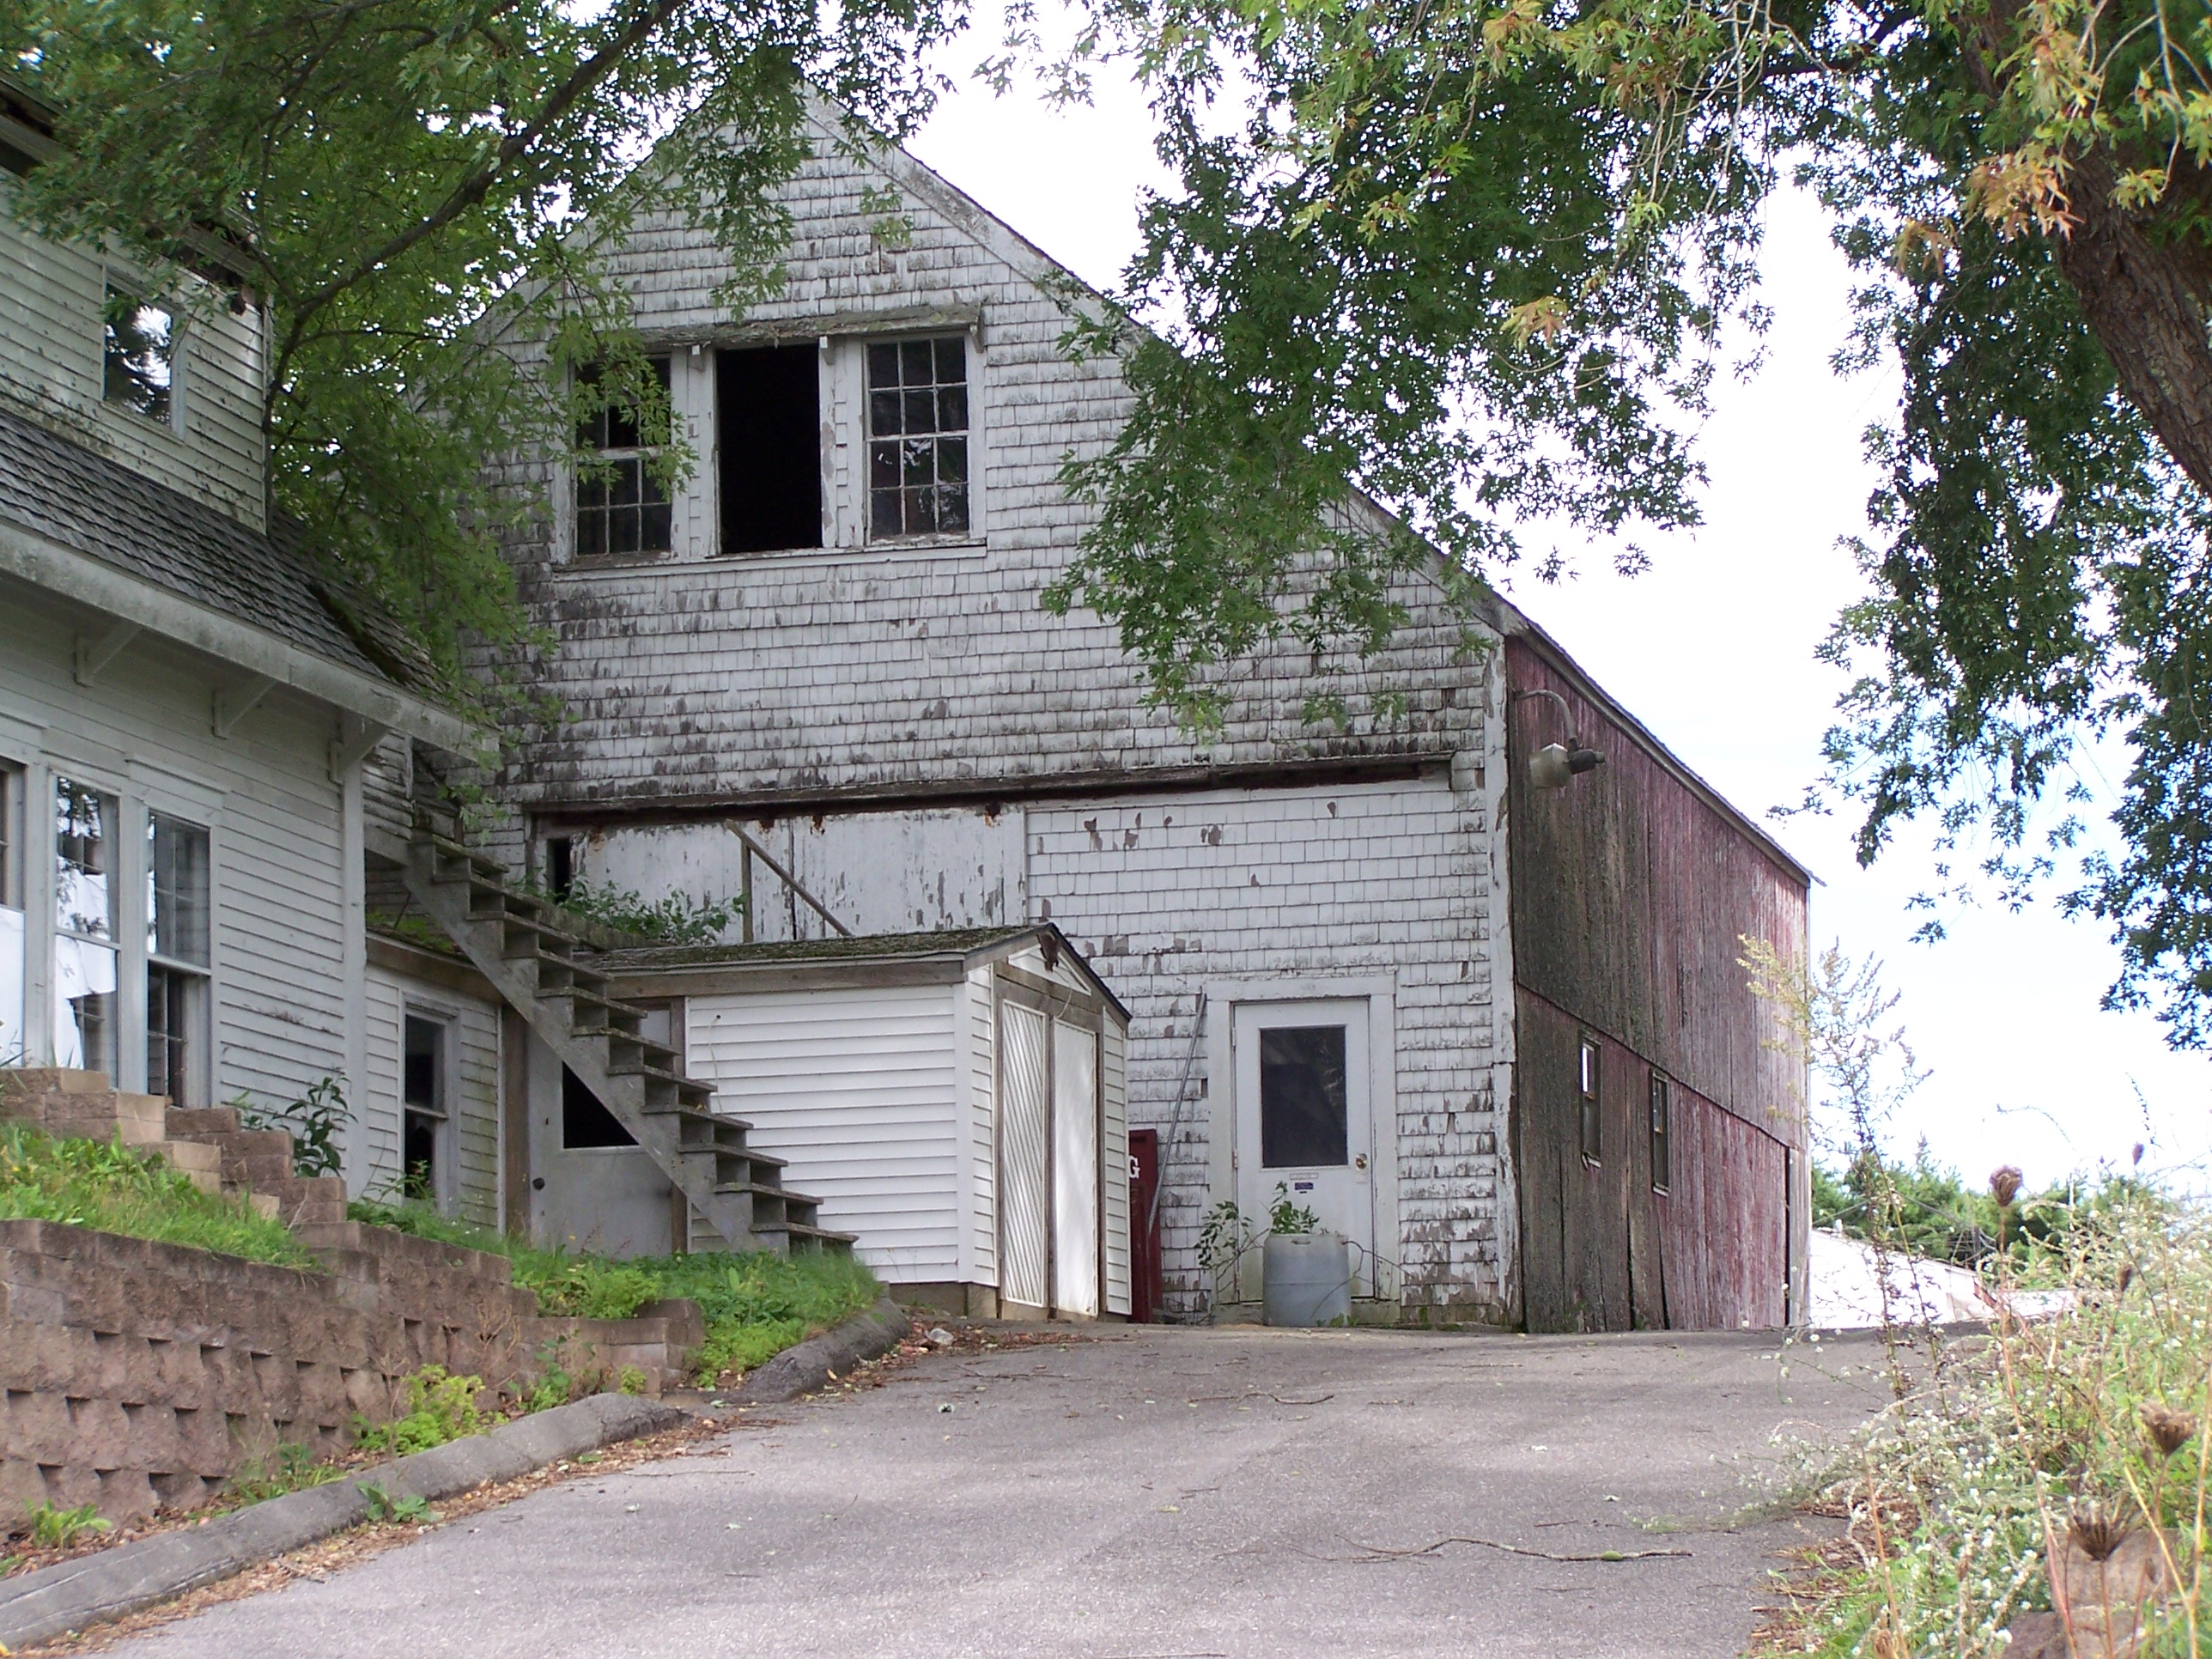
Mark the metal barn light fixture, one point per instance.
(1557, 764)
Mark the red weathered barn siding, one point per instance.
(1631, 890)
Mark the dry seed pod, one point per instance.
(2004, 1185)
(2127, 1276)
(2169, 1429)
(2096, 1531)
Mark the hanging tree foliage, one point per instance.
(387, 174)
(1475, 257)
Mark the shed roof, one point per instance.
(957, 949)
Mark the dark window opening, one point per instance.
(767, 414)
(171, 1014)
(422, 1109)
(918, 438)
(139, 344)
(585, 1123)
(1592, 1118)
(1303, 1103)
(1662, 1170)
(560, 866)
(621, 507)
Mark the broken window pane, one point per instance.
(918, 438)
(140, 341)
(769, 415)
(621, 507)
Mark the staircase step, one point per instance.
(197, 1122)
(199, 1163)
(90, 1114)
(52, 1080)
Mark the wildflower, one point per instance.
(2096, 1531)
(2168, 1429)
(2004, 1185)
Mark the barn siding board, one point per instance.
(857, 1089)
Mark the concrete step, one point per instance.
(195, 1123)
(52, 1080)
(202, 1164)
(90, 1114)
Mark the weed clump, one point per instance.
(115, 1188)
(435, 1408)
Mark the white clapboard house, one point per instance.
(183, 714)
(1485, 1021)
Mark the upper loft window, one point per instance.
(918, 439)
(140, 347)
(621, 507)
(768, 411)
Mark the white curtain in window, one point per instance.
(12, 1034)
(84, 1006)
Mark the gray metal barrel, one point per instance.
(1308, 1279)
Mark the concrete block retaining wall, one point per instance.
(137, 1377)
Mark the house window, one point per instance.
(13, 930)
(84, 927)
(621, 507)
(177, 960)
(422, 1110)
(918, 439)
(767, 419)
(140, 343)
(1591, 1118)
(1662, 1168)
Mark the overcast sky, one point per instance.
(1713, 647)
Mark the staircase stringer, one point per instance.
(660, 1133)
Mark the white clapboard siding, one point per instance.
(983, 1148)
(857, 1089)
(1114, 1151)
(51, 360)
(275, 830)
(472, 1084)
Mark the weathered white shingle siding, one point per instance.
(52, 364)
(1374, 880)
(472, 1081)
(857, 1089)
(276, 821)
(881, 670)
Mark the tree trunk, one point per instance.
(2147, 314)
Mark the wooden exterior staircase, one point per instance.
(542, 970)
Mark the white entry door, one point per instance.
(1048, 1169)
(1303, 1119)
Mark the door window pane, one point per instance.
(1302, 1100)
(176, 891)
(84, 860)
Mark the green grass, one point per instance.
(114, 1188)
(756, 1304)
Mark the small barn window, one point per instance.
(767, 413)
(138, 349)
(918, 439)
(560, 866)
(1592, 1118)
(621, 507)
(1662, 1168)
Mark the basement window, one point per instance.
(622, 509)
(587, 1125)
(1663, 1109)
(768, 414)
(1592, 1118)
(918, 439)
(139, 346)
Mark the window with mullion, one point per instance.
(84, 971)
(918, 473)
(177, 959)
(621, 507)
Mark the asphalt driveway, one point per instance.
(1173, 1493)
